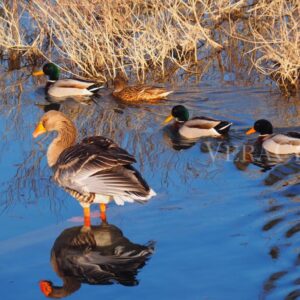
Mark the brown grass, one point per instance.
(159, 39)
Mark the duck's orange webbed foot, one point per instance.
(103, 212)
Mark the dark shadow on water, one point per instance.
(101, 256)
(221, 145)
(173, 139)
(282, 220)
(254, 153)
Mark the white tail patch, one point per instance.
(166, 93)
(225, 126)
(96, 88)
(120, 200)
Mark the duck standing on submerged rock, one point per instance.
(280, 143)
(137, 92)
(68, 87)
(96, 170)
(197, 126)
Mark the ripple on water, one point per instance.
(216, 225)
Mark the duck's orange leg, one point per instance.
(103, 212)
(87, 217)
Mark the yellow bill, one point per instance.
(251, 130)
(40, 129)
(38, 73)
(168, 119)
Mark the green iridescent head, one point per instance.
(49, 69)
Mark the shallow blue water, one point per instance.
(209, 220)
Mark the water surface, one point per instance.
(219, 232)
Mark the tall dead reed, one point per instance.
(158, 39)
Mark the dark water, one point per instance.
(220, 232)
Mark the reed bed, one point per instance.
(158, 40)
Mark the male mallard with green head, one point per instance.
(197, 126)
(280, 143)
(68, 87)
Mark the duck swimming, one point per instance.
(280, 143)
(96, 170)
(137, 92)
(57, 88)
(197, 126)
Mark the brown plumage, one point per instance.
(138, 92)
(94, 170)
(102, 256)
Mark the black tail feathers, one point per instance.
(223, 127)
(95, 87)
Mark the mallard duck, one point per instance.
(280, 143)
(197, 126)
(105, 256)
(94, 170)
(137, 92)
(57, 88)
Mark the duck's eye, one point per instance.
(44, 122)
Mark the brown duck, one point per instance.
(104, 256)
(137, 92)
(96, 170)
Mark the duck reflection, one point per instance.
(101, 256)
(175, 140)
(287, 173)
(254, 153)
(220, 145)
(50, 106)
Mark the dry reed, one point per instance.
(159, 39)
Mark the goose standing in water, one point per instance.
(198, 126)
(279, 143)
(68, 87)
(96, 170)
(104, 257)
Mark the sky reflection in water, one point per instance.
(220, 232)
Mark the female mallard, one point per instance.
(280, 143)
(104, 257)
(56, 87)
(197, 126)
(93, 171)
(137, 92)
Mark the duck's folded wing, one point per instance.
(146, 90)
(122, 182)
(202, 123)
(99, 166)
(72, 83)
(291, 138)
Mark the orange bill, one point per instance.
(38, 73)
(251, 130)
(168, 119)
(40, 129)
(45, 287)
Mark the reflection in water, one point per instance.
(175, 140)
(222, 145)
(50, 106)
(175, 174)
(254, 153)
(283, 181)
(100, 256)
(286, 173)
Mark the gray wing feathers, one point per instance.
(97, 165)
